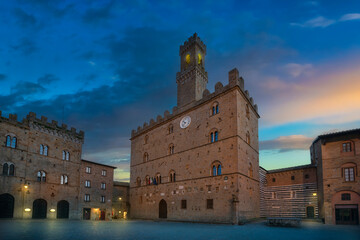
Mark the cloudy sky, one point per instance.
(108, 66)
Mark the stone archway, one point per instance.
(39, 209)
(162, 209)
(62, 209)
(6, 205)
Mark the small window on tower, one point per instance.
(199, 59)
(187, 58)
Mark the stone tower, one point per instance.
(192, 78)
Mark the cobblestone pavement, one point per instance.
(74, 230)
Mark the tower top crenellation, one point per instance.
(194, 39)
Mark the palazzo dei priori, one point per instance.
(201, 161)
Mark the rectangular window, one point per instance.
(345, 196)
(103, 173)
(274, 195)
(209, 204)
(349, 174)
(183, 204)
(88, 170)
(292, 177)
(293, 194)
(87, 198)
(102, 199)
(87, 183)
(346, 147)
(103, 185)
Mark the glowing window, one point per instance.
(187, 58)
(199, 59)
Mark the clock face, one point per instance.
(185, 122)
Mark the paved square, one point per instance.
(73, 230)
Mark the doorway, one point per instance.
(347, 214)
(86, 213)
(102, 215)
(162, 209)
(39, 209)
(6, 205)
(62, 209)
(310, 213)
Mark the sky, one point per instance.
(106, 67)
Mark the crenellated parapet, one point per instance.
(43, 125)
(190, 42)
(234, 81)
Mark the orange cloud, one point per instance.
(331, 98)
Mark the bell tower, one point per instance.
(192, 78)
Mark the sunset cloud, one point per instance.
(287, 143)
(330, 98)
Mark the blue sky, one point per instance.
(111, 66)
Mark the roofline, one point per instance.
(291, 168)
(118, 183)
(98, 163)
(336, 134)
(197, 104)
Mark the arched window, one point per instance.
(170, 129)
(5, 169)
(171, 149)
(63, 155)
(158, 179)
(8, 169)
(138, 182)
(248, 137)
(214, 109)
(146, 157)
(250, 170)
(247, 111)
(147, 180)
(8, 141)
(216, 168)
(172, 176)
(11, 170)
(14, 142)
(41, 176)
(146, 139)
(67, 156)
(64, 179)
(46, 148)
(214, 136)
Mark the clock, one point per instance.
(185, 122)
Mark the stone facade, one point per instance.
(290, 192)
(96, 181)
(40, 165)
(337, 156)
(330, 184)
(205, 170)
(121, 201)
(25, 184)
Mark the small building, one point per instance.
(337, 157)
(290, 192)
(96, 189)
(120, 201)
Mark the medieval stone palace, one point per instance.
(201, 161)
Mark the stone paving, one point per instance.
(89, 230)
